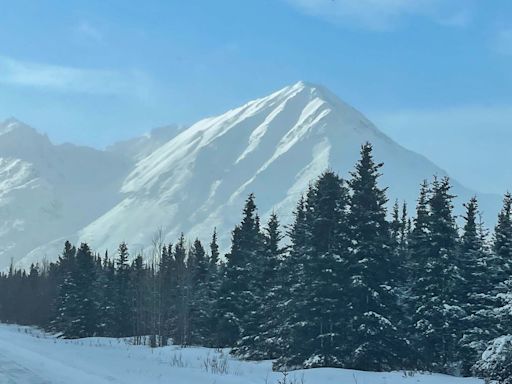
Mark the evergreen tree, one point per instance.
(107, 307)
(500, 268)
(395, 226)
(502, 262)
(139, 282)
(273, 282)
(123, 297)
(258, 336)
(376, 342)
(438, 311)
(180, 317)
(80, 304)
(479, 325)
(66, 302)
(88, 290)
(166, 295)
(288, 282)
(200, 305)
(214, 249)
(236, 300)
(316, 323)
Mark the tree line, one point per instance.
(353, 287)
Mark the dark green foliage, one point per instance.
(259, 325)
(350, 288)
(496, 364)
(479, 324)
(438, 312)
(199, 285)
(376, 342)
(78, 311)
(316, 309)
(502, 262)
(123, 293)
(107, 302)
(238, 295)
(180, 295)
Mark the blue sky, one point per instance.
(436, 75)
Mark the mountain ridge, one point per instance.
(273, 146)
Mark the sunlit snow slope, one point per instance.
(273, 146)
(49, 191)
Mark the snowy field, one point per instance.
(28, 356)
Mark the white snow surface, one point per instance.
(28, 356)
(49, 191)
(199, 178)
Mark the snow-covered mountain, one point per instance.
(273, 146)
(139, 147)
(48, 191)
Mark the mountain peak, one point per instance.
(197, 180)
(314, 91)
(13, 126)
(301, 86)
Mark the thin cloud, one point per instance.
(385, 14)
(72, 79)
(90, 32)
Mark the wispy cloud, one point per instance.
(384, 14)
(90, 32)
(72, 79)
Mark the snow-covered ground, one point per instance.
(28, 356)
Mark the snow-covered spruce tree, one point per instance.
(501, 267)
(395, 227)
(288, 280)
(419, 250)
(123, 293)
(496, 362)
(139, 282)
(258, 341)
(107, 298)
(179, 320)
(273, 279)
(198, 281)
(85, 321)
(236, 299)
(375, 341)
(261, 269)
(214, 250)
(399, 248)
(480, 323)
(165, 295)
(66, 306)
(502, 264)
(315, 328)
(211, 289)
(437, 295)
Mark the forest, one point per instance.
(347, 285)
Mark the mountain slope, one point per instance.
(274, 147)
(137, 148)
(48, 191)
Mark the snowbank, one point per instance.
(28, 356)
